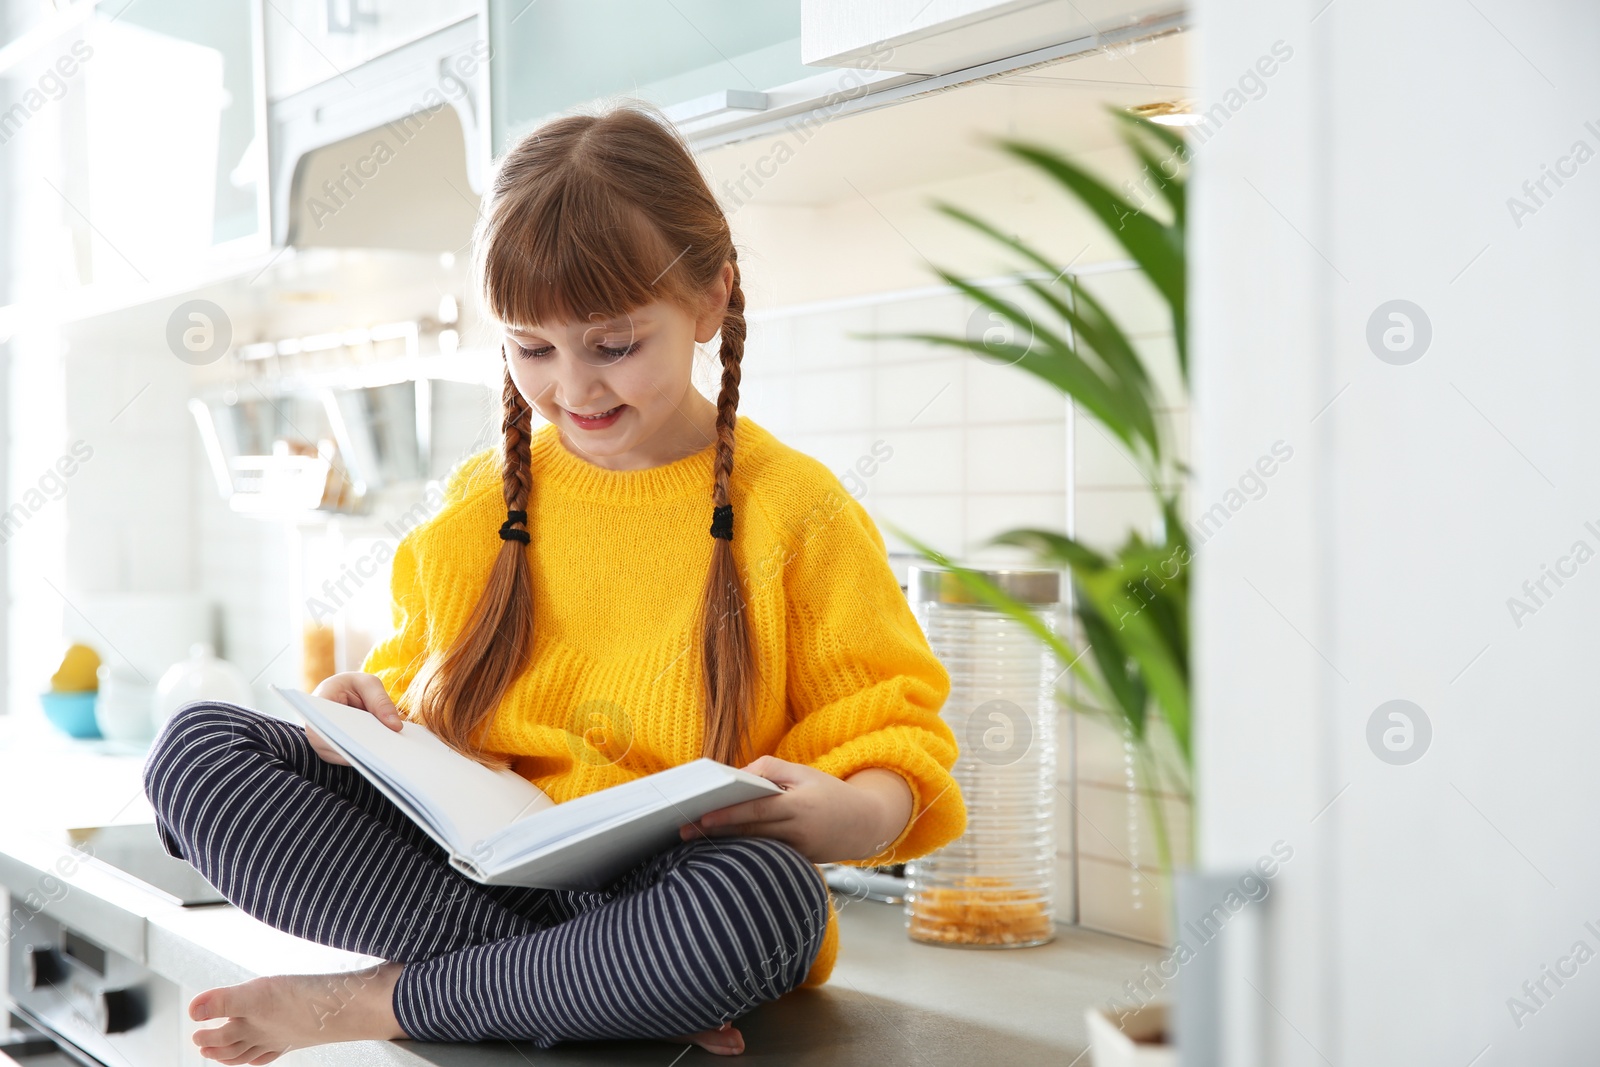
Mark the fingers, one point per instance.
(761, 809)
(358, 689)
(374, 698)
(780, 771)
(750, 816)
(766, 766)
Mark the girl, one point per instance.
(552, 617)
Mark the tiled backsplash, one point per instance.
(976, 448)
(972, 446)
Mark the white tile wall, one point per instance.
(142, 519)
(244, 567)
(990, 513)
(1121, 888)
(1115, 825)
(1017, 458)
(1105, 517)
(128, 523)
(980, 448)
(923, 393)
(996, 393)
(959, 429)
(925, 460)
(834, 398)
(1120, 899)
(936, 519)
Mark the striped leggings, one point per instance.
(685, 941)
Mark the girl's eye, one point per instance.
(544, 350)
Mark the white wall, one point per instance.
(1376, 165)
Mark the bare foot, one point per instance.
(266, 1017)
(725, 1040)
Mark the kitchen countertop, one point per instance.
(889, 1000)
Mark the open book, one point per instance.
(501, 829)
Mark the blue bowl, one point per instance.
(71, 713)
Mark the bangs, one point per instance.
(575, 251)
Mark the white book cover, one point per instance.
(499, 828)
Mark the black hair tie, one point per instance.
(722, 521)
(509, 534)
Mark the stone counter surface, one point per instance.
(889, 1000)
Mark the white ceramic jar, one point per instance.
(200, 677)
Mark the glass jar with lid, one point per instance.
(993, 886)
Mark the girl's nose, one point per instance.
(577, 380)
(579, 387)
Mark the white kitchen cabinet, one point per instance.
(161, 122)
(939, 36)
(372, 113)
(310, 41)
(699, 57)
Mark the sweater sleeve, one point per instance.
(863, 686)
(397, 658)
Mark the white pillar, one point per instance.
(1362, 154)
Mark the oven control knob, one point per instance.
(42, 966)
(116, 1010)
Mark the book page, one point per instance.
(683, 789)
(466, 801)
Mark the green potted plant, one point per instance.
(1130, 604)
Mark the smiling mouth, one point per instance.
(597, 414)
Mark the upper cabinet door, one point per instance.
(164, 154)
(310, 41)
(549, 55)
(940, 36)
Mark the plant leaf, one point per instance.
(1154, 246)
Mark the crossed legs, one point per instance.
(686, 941)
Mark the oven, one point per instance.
(88, 1004)
(75, 1002)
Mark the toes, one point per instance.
(213, 1039)
(212, 1004)
(228, 1053)
(729, 1038)
(725, 1040)
(241, 1052)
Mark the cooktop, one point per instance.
(133, 851)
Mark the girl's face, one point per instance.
(634, 370)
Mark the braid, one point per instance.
(727, 651)
(732, 355)
(516, 424)
(461, 688)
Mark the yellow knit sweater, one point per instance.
(619, 559)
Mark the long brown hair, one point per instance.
(590, 216)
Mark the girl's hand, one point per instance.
(826, 818)
(357, 690)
